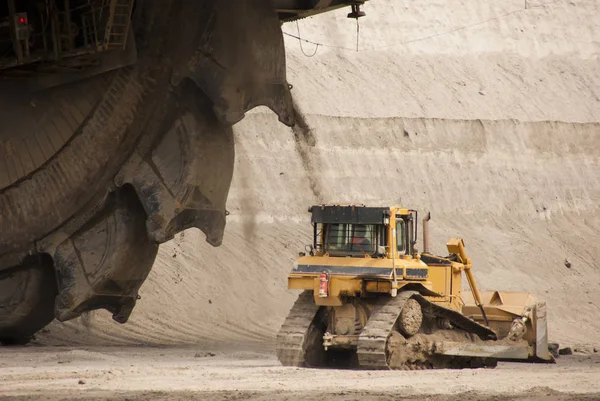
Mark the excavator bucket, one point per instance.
(515, 316)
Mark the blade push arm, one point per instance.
(457, 247)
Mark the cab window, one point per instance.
(350, 239)
(400, 237)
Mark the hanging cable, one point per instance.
(357, 33)
(450, 31)
(356, 13)
(317, 43)
(300, 42)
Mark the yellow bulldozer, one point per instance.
(371, 300)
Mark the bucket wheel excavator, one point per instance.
(116, 134)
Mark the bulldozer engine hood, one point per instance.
(360, 267)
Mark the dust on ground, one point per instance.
(143, 373)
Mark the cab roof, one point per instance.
(352, 213)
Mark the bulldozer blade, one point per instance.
(541, 333)
(503, 307)
(495, 351)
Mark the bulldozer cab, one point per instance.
(358, 231)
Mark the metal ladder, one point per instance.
(90, 30)
(117, 26)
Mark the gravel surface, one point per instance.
(142, 373)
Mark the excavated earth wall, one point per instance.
(485, 114)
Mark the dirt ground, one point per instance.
(144, 373)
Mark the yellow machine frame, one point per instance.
(438, 279)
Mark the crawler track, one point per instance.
(292, 344)
(372, 341)
(457, 319)
(380, 344)
(380, 338)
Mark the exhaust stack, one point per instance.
(426, 232)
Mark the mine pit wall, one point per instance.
(499, 139)
(522, 195)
